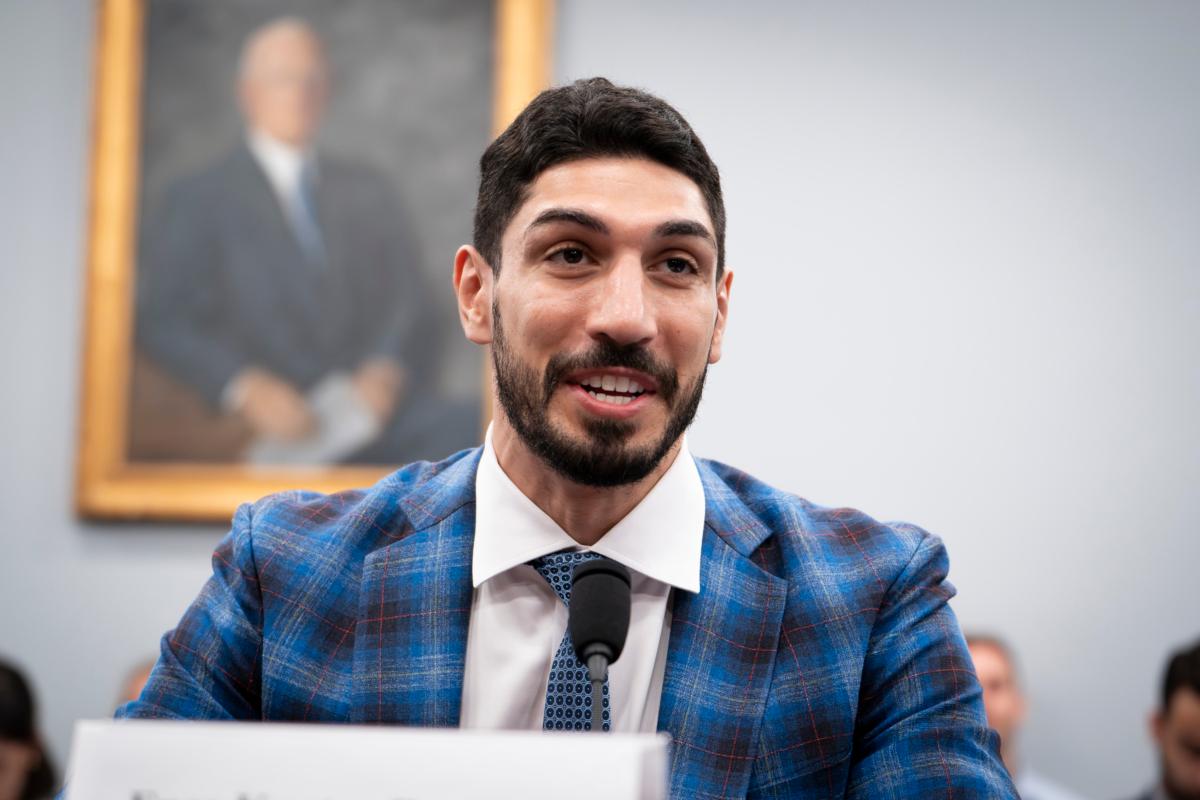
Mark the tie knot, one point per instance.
(559, 569)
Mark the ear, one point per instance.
(714, 350)
(473, 285)
(1158, 725)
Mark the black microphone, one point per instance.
(598, 619)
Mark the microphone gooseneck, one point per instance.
(598, 619)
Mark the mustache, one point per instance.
(607, 353)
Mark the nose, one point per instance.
(621, 309)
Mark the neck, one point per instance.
(586, 513)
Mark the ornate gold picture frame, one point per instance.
(113, 481)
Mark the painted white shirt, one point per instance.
(517, 621)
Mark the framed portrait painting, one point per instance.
(278, 188)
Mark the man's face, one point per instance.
(285, 85)
(1177, 731)
(605, 316)
(1002, 697)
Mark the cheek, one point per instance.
(690, 336)
(1183, 757)
(547, 321)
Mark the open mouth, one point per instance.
(617, 390)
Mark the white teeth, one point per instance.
(601, 386)
(613, 383)
(612, 399)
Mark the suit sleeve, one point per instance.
(210, 664)
(921, 729)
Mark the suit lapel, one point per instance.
(721, 654)
(269, 242)
(411, 635)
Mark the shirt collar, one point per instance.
(661, 537)
(282, 162)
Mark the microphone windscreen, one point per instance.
(599, 611)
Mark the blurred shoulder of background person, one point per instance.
(25, 769)
(1007, 707)
(135, 681)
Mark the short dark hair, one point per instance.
(586, 119)
(1183, 671)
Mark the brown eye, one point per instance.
(572, 255)
(678, 266)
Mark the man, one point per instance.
(25, 769)
(1175, 727)
(1006, 706)
(279, 282)
(789, 650)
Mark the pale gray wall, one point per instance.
(967, 295)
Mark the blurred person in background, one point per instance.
(281, 287)
(1006, 706)
(25, 769)
(1175, 728)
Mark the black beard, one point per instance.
(603, 459)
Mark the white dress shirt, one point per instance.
(517, 621)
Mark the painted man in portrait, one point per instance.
(280, 285)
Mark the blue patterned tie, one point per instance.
(568, 692)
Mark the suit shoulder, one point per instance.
(804, 531)
(362, 177)
(209, 185)
(300, 525)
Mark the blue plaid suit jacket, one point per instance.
(820, 658)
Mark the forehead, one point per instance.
(990, 662)
(627, 193)
(1184, 706)
(282, 46)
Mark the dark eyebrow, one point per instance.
(684, 227)
(573, 215)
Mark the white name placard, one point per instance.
(164, 760)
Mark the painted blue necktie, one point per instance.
(304, 218)
(568, 692)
